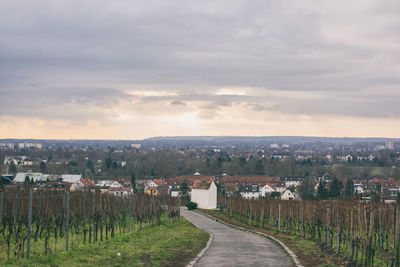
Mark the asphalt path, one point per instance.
(234, 247)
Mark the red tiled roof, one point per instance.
(124, 182)
(269, 184)
(201, 184)
(190, 179)
(87, 182)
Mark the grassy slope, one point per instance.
(167, 245)
(309, 252)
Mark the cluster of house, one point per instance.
(18, 160)
(121, 187)
(197, 186)
(7, 145)
(69, 182)
(161, 187)
(23, 145)
(249, 187)
(203, 189)
(254, 187)
(385, 187)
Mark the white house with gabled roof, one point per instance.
(266, 190)
(205, 195)
(287, 195)
(115, 184)
(35, 176)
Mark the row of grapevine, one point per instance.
(39, 222)
(367, 232)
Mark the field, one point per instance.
(36, 223)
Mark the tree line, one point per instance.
(166, 164)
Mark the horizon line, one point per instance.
(203, 136)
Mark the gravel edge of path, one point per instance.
(204, 250)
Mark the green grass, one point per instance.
(377, 171)
(55, 246)
(167, 245)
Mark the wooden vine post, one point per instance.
(380, 228)
(130, 214)
(396, 238)
(134, 213)
(279, 218)
(370, 258)
(67, 223)
(94, 217)
(327, 225)
(165, 211)
(1, 208)
(337, 231)
(141, 213)
(302, 221)
(28, 241)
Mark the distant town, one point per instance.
(278, 168)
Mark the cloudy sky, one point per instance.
(136, 69)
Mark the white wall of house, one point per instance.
(71, 178)
(287, 195)
(152, 184)
(250, 195)
(174, 193)
(292, 184)
(280, 189)
(105, 183)
(359, 188)
(265, 190)
(205, 198)
(36, 176)
(78, 186)
(394, 192)
(116, 185)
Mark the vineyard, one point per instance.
(366, 232)
(42, 222)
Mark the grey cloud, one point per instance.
(178, 102)
(210, 106)
(258, 107)
(336, 103)
(75, 104)
(221, 100)
(274, 107)
(82, 61)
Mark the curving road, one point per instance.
(233, 247)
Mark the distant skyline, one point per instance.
(137, 69)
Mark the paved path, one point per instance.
(233, 247)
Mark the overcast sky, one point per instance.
(136, 69)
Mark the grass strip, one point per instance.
(166, 245)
